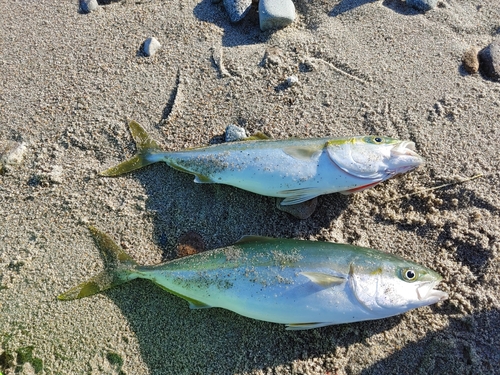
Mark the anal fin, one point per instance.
(201, 179)
(302, 326)
(296, 196)
(193, 303)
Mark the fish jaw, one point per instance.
(429, 295)
(403, 158)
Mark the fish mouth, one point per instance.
(427, 293)
(405, 148)
(405, 158)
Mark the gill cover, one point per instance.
(363, 157)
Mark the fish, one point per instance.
(296, 170)
(302, 284)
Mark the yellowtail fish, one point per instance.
(303, 284)
(294, 169)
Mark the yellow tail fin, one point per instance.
(146, 147)
(119, 269)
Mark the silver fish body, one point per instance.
(294, 169)
(303, 284)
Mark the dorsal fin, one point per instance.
(253, 239)
(256, 137)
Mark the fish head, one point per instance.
(394, 287)
(373, 157)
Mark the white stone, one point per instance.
(234, 133)
(292, 80)
(151, 45)
(275, 14)
(237, 9)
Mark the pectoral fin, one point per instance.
(305, 153)
(323, 279)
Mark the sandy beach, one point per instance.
(71, 82)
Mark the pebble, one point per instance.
(11, 154)
(423, 5)
(234, 133)
(489, 60)
(300, 211)
(470, 60)
(237, 9)
(151, 45)
(275, 14)
(292, 81)
(88, 6)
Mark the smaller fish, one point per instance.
(296, 170)
(303, 284)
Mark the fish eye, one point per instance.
(409, 274)
(378, 140)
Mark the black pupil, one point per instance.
(378, 140)
(410, 274)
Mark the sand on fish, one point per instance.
(71, 81)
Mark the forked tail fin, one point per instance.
(146, 149)
(119, 269)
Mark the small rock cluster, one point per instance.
(273, 14)
(485, 61)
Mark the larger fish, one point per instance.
(303, 284)
(294, 169)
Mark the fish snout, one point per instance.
(427, 292)
(405, 148)
(404, 157)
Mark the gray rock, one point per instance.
(234, 133)
(275, 14)
(151, 45)
(88, 6)
(423, 5)
(489, 60)
(237, 9)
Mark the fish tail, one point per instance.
(147, 149)
(119, 269)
